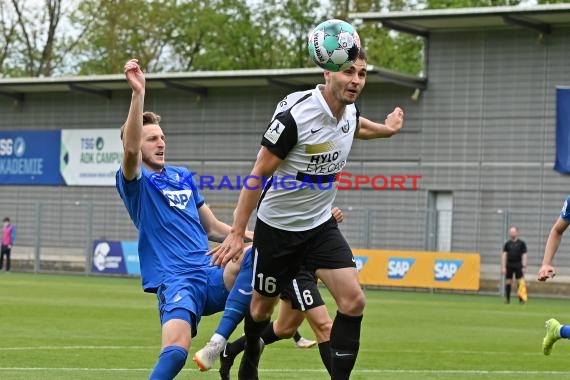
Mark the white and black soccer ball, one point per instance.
(334, 45)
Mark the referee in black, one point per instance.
(513, 261)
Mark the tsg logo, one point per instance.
(360, 261)
(398, 267)
(10, 147)
(178, 198)
(444, 270)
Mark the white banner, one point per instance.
(90, 157)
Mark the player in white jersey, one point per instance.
(304, 148)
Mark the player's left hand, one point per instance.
(395, 120)
(337, 214)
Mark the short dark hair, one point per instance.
(6, 219)
(362, 54)
(148, 118)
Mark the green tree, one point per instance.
(271, 34)
(299, 18)
(8, 37)
(439, 4)
(389, 49)
(32, 38)
(181, 35)
(122, 29)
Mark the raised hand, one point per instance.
(135, 76)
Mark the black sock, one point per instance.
(508, 292)
(345, 342)
(325, 351)
(253, 332)
(236, 347)
(268, 335)
(297, 336)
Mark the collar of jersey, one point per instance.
(319, 96)
(167, 173)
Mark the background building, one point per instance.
(479, 129)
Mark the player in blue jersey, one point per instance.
(554, 329)
(174, 226)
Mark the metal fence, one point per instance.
(58, 236)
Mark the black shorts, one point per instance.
(514, 269)
(280, 254)
(303, 292)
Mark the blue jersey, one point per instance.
(565, 212)
(164, 208)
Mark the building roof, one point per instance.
(539, 17)
(198, 81)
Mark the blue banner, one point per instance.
(115, 257)
(30, 158)
(562, 163)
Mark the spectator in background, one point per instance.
(514, 263)
(8, 238)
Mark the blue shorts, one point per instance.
(189, 296)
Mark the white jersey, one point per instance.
(314, 148)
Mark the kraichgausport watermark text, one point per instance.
(340, 181)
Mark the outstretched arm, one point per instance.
(554, 238)
(132, 131)
(264, 166)
(368, 129)
(217, 230)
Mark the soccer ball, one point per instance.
(334, 45)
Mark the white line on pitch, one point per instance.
(443, 352)
(78, 348)
(312, 370)
(451, 352)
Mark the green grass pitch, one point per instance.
(74, 327)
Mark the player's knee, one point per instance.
(322, 330)
(230, 274)
(284, 332)
(352, 304)
(260, 311)
(260, 315)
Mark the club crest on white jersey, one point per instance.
(274, 131)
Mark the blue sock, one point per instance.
(238, 301)
(170, 362)
(565, 332)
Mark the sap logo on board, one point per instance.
(444, 270)
(360, 261)
(398, 267)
